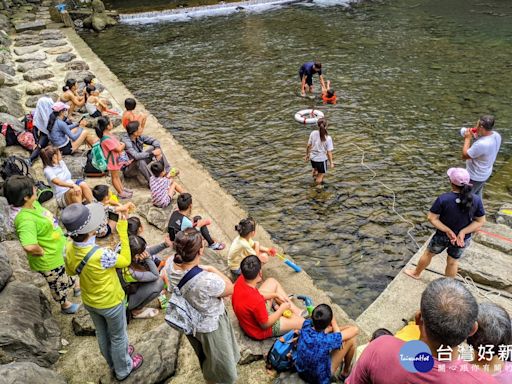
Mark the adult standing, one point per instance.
(319, 151)
(41, 115)
(214, 342)
(102, 294)
(456, 215)
(480, 156)
(306, 72)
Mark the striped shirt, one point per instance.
(160, 191)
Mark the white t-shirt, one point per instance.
(483, 154)
(61, 172)
(319, 148)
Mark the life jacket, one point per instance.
(328, 100)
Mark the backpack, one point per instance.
(13, 165)
(282, 354)
(89, 169)
(28, 121)
(98, 157)
(11, 136)
(26, 140)
(181, 315)
(44, 192)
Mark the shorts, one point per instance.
(67, 149)
(440, 242)
(61, 200)
(96, 114)
(309, 78)
(276, 327)
(319, 166)
(59, 283)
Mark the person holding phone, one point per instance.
(113, 208)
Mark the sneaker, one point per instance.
(72, 309)
(217, 246)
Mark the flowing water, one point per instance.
(408, 75)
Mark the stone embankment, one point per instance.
(37, 342)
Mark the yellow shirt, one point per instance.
(240, 248)
(99, 281)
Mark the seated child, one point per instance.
(93, 105)
(141, 280)
(375, 335)
(261, 311)
(244, 245)
(130, 115)
(328, 94)
(162, 185)
(180, 220)
(323, 345)
(112, 207)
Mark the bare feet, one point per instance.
(412, 273)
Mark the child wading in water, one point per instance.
(162, 185)
(244, 246)
(328, 94)
(113, 150)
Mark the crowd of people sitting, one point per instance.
(116, 285)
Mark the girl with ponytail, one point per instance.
(214, 334)
(319, 151)
(455, 215)
(113, 150)
(71, 97)
(244, 246)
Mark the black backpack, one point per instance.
(89, 169)
(13, 165)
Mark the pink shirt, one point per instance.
(380, 364)
(108, 146)
(505, 376)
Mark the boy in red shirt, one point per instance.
(260, 310)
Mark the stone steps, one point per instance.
(495, 236)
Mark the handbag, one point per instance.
(181, 315)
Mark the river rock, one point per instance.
(37, 74)
(41, 86)
(28, 332)
(5, 270)
(99, 19)
(77, 65)
(31, 101)
(59, 50)
(504, 215)
(19, 264)
(9, 69)
(51, 34)
(20, 51)
(27, 372)
(36, 56)
(83, 325)
(10, 80)
(79, 76)
(33, 25)
(5, 23)
(11, 120)
(65, 57)
(158, 217)
(53, 43)
(9, 102)
(6, 231)
(159, 345)
(29, 65)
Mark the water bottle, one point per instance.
(473, 131)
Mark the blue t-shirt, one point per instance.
(313, 359)
(451, 214)
(307, 69)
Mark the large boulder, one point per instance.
(41, 86)
(28, 332)
(99, 19)
(5, 270)
(12, 121)
(6, 231)
(65, 57)
(19, 264)
(31, 101)
(26, 372)
(10, 102)
(37, 74)
(83, 325)
(30, 65)
(159, 217)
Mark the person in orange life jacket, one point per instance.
(328, 94)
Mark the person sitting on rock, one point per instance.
(42, 239)
(41, 115)
(448, 316)
(94, 105)
(67, 136)
(323, 346)
(495, 330)
(266, 311)
(102, 195)
(244, 245)
(71, 96)
(102, 294)
(162, 185)
(141, 280)
(130, 115)
(180, 220)
(134, 142)
(65, 190)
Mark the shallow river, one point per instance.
(408, 75)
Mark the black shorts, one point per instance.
(319, 166)
(67, 149)
(309, 79)
(96, 113)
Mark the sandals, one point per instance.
(147, 313)
(125, 195)
(217, 246)
(72, 309)
(137, 361)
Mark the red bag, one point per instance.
(27, 141)
(28, 120)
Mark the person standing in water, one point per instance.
(306, 72)
(319, 151)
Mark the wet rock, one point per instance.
(504, 215)
(41, 86)
(77, 65)
(79, 76)
(28, 332)
(11, 120)
(31, 101)
(9, 102)
(54, 43)
(27, 372)
(20, 51)
(31, 25)
(37, 56)
(58, 50)
(29, 65)
(5, 269)
(99, 20)
(65, 57)
(18, 262)
(9, 69)
(83, 325)
(37, 74)
(162, 345)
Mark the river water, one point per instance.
(408, 75)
